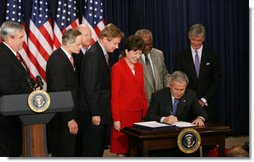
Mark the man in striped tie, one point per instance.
(61, 76)
(13, 80)
(202, 66)
(95, 91)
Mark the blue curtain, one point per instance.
(227, 26)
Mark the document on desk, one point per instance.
(182, 124)
(152, 125)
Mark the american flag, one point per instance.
(66, 17)
(93, 15)
(14, 13)
(40, 38)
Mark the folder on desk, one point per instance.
(153, 125)
(183, 124)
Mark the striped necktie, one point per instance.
(197, 63)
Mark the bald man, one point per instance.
(86, 34)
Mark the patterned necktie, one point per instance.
(20, 60)
(107, 58)
(18, 57)
(72, 61)
(197, 63)
(176, 101)
(149, 68)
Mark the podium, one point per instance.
(34, 142)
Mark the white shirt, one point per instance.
(199, 57)
(199, 53)
(66, 53)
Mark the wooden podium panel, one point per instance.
(141, 142)
(34, 143)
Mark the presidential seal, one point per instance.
(39, 101)
(188, 140)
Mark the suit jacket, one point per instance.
(188, 107)
(161, 74)
(208, 82)
(12, 73)
(95, 85)
(62, 77)
(128, 93)
(77, 61)
(13, 78)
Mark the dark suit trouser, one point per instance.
(79, 139)
(93, 140)
(10, 136)
(62, 142)
(10, 144)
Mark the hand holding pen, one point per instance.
(171, 119)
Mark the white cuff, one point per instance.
(200, 117)
(204, 100)
(162, 119)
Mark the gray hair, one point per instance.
(144, 31)
(179, 76)
(70, 36)
(9, 28)
(197, 30)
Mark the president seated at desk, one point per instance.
(163, 109)
(176, 103)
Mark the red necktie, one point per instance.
(20, 60)
(18, 57)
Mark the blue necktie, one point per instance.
(176, 101)
(197, 63)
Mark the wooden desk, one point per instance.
(142, 142)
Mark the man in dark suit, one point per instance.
(176, 103)
(61, 76)
(13, 77)
(202, 66)
(95, 91)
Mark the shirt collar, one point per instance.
(199, 50)
(103, 49)
(66, 53)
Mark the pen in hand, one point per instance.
(172, 113)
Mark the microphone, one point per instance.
(30, 82)
(39, 81)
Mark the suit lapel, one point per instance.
(154, 59)
(146, 72)
(66, 59)
(19, 64)
(180, 107)
(204, 61)
(191, 63)
(128, 70)
(100, 52)
(15, 60)
(170, 109)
